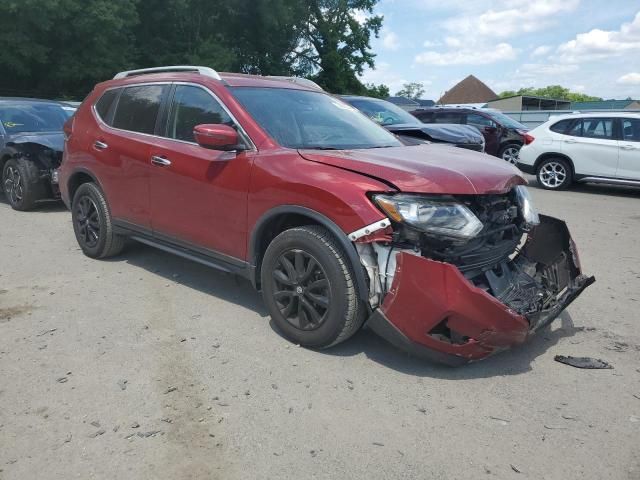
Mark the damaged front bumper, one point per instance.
(431, 310)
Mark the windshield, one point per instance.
(304, 119)
(382, 112)
(506, 121)
(32, 117)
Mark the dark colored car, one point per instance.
(31, 143)
(503, 135)
(402, 123)
(322, 209)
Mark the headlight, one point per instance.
(445, 218)
(529, 212)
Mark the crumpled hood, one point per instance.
(444, 132)
(52, 140)
(435, 168)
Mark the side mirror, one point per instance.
(217, 136)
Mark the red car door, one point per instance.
(198, 196)
(121, 145)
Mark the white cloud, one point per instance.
(548, 68)
(430, 44)
(632, 78)
(360, 16)
(597, 44)
(541, 51)
(385, 74)
(511, 17)
(468, 56)
(390, 41)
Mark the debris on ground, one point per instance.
(582, 362)
(170, 389)
(97, 434)
(123, 384)
(514, 468)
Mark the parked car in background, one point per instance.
(401, 123)
(503, 135)
(31, 143)
(329, 214)
(589, 147)
(69, 108)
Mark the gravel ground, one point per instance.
(149, 366)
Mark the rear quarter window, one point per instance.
(561, 126)
(104, 104)
(138, 108)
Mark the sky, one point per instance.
(589, 46)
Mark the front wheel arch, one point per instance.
(279, 219)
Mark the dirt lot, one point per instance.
(148, 366)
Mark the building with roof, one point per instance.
(528, 102)
(469, 90)
(405, 103)
(607, 105)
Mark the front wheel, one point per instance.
(308, 286)
(21, 191)
(92, 223)
(510, 153)
(554, 174)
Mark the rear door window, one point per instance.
(597, 128)
(448, 117)
(479, 121)
(631, 129)
(193, 106)
(425, 117)
(138, 107)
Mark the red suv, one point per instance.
(322, 209)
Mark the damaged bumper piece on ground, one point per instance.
(432, 310)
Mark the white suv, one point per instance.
(586, 147)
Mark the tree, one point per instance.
(378, 91)
(336, 45)
(63, 47)
(551, 91)
(412, 90)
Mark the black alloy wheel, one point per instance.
(302, 291)
(87, 221)
(13, 184)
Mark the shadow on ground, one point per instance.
(596, 189)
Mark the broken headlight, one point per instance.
(445, 218)
(529, 212)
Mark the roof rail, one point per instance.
(299, 80)
(209, 72)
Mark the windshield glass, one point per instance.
(382, 112)
(506, 121)
(32, 117)
(304, 119)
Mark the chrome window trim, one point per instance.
(242, 131)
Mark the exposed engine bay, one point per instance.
(531, 269)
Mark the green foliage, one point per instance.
(412, 90)
(61, 48)
(551, 91)
(378, 91)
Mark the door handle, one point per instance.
(160, 161)
(627, 147)
(570, 141)
(100, 145)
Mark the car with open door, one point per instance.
(335, 220)
(503, 135)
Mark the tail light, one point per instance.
(68, 127)
(528, 139)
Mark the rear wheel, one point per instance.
(308, 287)
(21, 184)
(92, 223)
(554, 174)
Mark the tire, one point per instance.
(509, 153)
(322, 282)
(92, 223)
(21, 184)
(554, 174)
